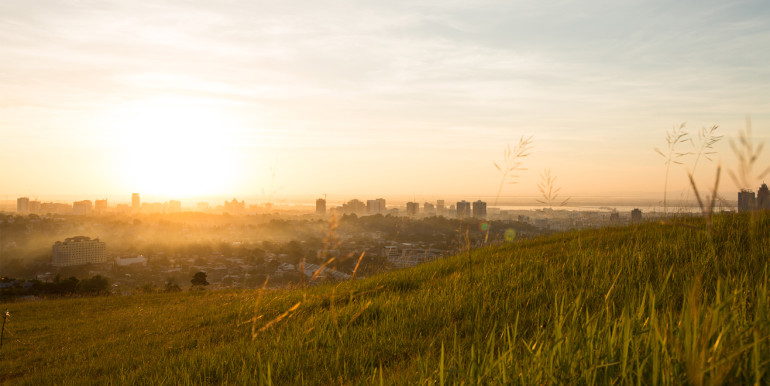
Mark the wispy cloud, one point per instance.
(452, 74)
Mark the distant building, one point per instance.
(154, 207)
(746, 201)
(375, 206)
(480, 209)
(428, 208)
(34, 206)
(412, 208)
(614, 217)
(55, 208)
(202, 206)
(122, 208)
(320, 206)
(126, 261)
(136, 204)
(22, 205)
(372, 207)
(636, 215)
(463, 209)
(82, 208)
(101, 206)
(78, 250)
(174, 206)
(235, 206)
(763, 197)
(440, 207)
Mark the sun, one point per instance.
(175, 149)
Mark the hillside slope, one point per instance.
(656, 303)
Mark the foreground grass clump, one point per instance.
(653, 304)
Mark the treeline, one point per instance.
(13, 288)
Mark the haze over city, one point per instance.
(405, 99)
(397, 192)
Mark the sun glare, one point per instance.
(175, 149)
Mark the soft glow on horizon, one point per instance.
(390, 98)
(173, 148)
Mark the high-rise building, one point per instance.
(235, 206)
(375, 206)
(101, 206)
(439, 207)
(480, 209)
(136, 204)
(82, 208)
(746, 201)
(320, 206)
(372, 207)
(463, 209)
(22, 205)
(636, 215)
(77, 251)
(428, 209)
(412, 208)
(763, 197)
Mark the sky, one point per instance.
(253, 99)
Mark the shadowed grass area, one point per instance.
(655, 304)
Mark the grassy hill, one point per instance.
(654, 303)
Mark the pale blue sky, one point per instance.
(412, 97)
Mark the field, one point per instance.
(657, 303)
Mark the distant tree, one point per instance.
(148, 288)
(95, 285)
(256, 256)
(225, 248)
(171, 285)
(273, 264)
(295, 251)
(199, 280)
(65, 287)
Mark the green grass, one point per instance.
(650, 304)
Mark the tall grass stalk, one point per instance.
(747, 154)
(691, 308)
(512, 159)
(6, 315)
(707, 211)
(674, 137)
(549, 191)
(707, 138)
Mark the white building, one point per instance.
(126, 261)
(78, 250)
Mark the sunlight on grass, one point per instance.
(650, 304)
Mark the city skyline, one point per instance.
(181, 100)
